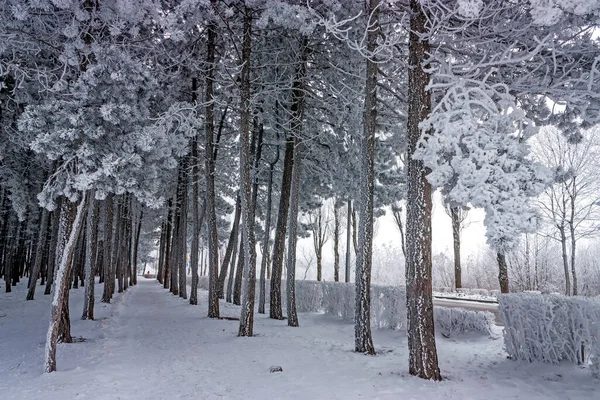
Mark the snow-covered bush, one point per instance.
(309, 296)
(457, 321)
(551, 328)
(338, 299)
(388, 307)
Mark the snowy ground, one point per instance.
(149, 344)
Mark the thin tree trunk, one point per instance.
(136, 247)
(39, 253)
(336, 243)
(503, 272)
(60, 297)
(363, 341)
(232, 273)
(292, 315)
(563, 244)
(231, 245)
(265, 258)
(423, 360)
(213, 239)
(90, 260)
(108, 235)
(455, 217)
(348, 241)
(239, 272)
(167, 266)
(275, 306)
(54, 228)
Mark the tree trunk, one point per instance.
(108, 247)
(563, 244)
(503, 272)
(61, 288)
(239, 272)
(136, 244)
(292, 315)
(232, 274)
(265, 258)
(454, 216)
(39, 253)
(213, 239)
(167, 266)
(182, 229)
(423, 360)
(90, 260)
(54, 228)
(336, 243)
(275, 306)
(363, 341)
(348, 241)
(231, 246)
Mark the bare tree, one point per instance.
(458, 215)
(572, 204)
(318, 225)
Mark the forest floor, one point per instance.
(148, 344)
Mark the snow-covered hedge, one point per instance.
(388, 306)
(457, 321)
(551, 328)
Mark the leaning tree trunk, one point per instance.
(39, 253)
(61, 284)
(90, 260)
(232, 263)
(231, 245)
(455, 216)
(423, 360)
(363, 341)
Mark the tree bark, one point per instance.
(348, 241)
(232, 273)
(563, 244)
(231, 245)
(503, 272)
(275, 306)
(239, 273)
(336, 243)
(39, 253)
(90, 260)
(454, 215)
(423, 360)
(211, 220)
(292, 315)
(136, 244)
(54, 228)
(61, 290)
(363, 341)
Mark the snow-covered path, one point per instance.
(149, 344)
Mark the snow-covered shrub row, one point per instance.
(388, 306)
(468, 291)
(551, 328)
(457, 321)
(309, 296)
